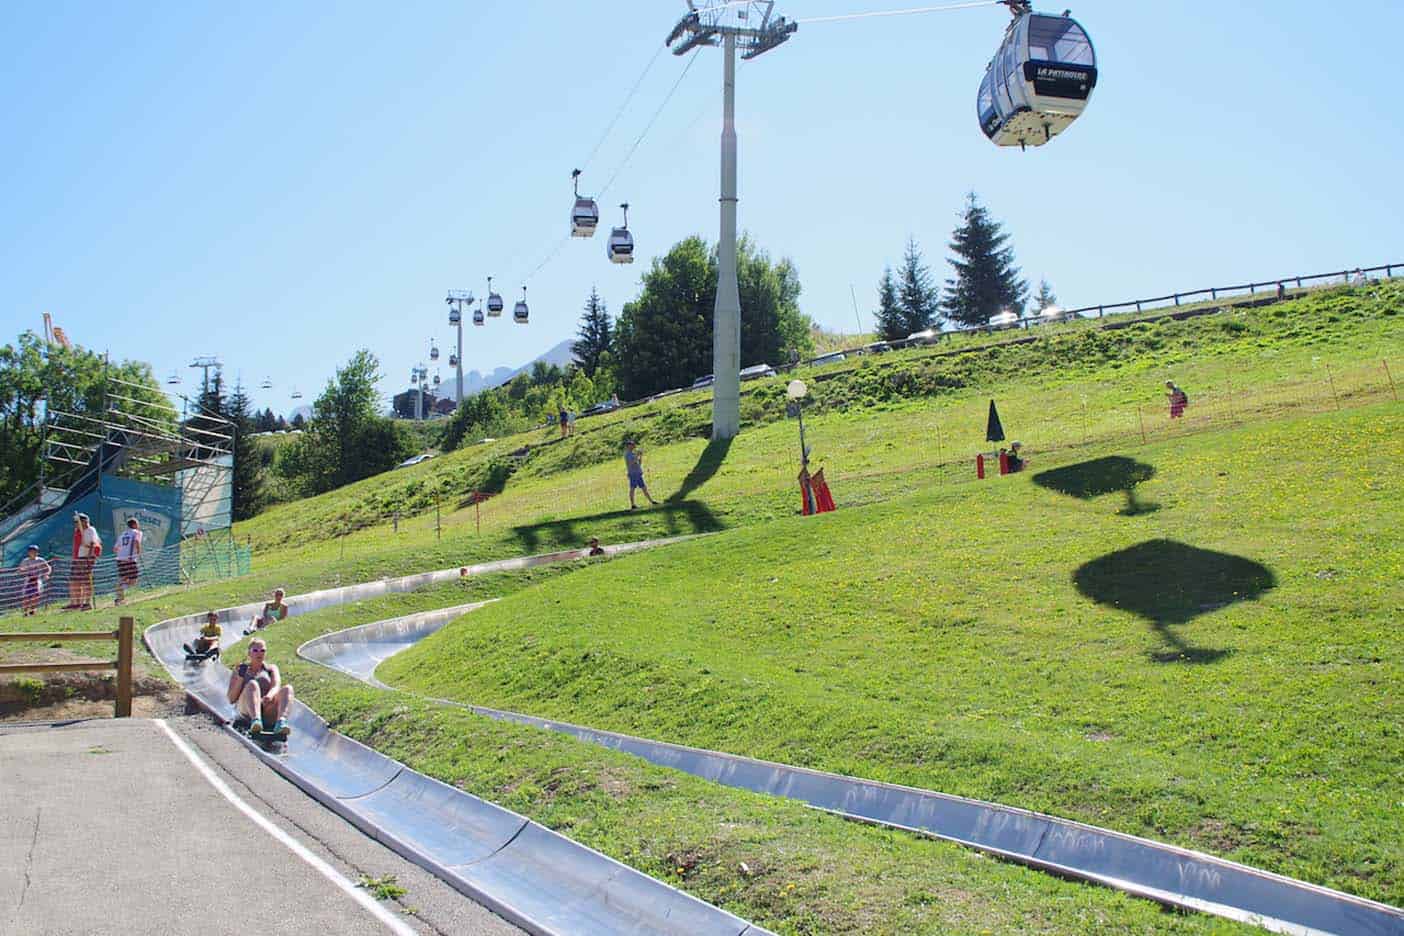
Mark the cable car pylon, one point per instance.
(729, 24)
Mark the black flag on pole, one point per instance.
(994, 432)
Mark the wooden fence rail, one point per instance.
(123, 663)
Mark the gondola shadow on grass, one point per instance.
(678, 518)
(1090, 479)
(1170, 584)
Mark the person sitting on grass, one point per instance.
(595, 548)
(208, 641)
(274, 611)
(259, 693)
(1016, 463)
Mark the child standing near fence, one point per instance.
(34, 571)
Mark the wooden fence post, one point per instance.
(1332, 381)
(124, 668)
(1392, 388)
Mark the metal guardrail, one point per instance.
(123, 663)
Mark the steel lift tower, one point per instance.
(457, 300)
(728, 24)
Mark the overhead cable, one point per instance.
(907, 12)
(651, 122)
(620, 113)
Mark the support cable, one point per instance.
(907, 12)
(620, 113)
(652, 120)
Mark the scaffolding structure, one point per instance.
(137, 455)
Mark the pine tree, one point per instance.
(248, 466)
(596, 334)
(890, 323)
(1045, 297)
(918, 300)
(986, 280)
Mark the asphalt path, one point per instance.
(122, 826)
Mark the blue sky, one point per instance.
(282, 184)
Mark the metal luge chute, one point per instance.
(519, 311)
(494, 303)
(1039, 81)
(621, 242)
(585, 216)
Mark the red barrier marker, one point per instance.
(980, 467)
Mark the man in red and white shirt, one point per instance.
(89, 548)
(128, 552)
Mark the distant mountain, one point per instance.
(476, 382)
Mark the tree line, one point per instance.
(986, 281)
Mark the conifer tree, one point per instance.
(918, 300)
(248, 466)
(1045, 297)
(596, 336)
(890, 323)
(986, 281)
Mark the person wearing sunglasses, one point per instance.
(261, 696)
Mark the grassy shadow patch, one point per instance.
(708, 463)
(1089, 479)
(1169, 584)
(677, 518)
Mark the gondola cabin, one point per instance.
(478, 316)
(584, 218)
(433, 351)
(455, 316)
(494, 305)
(621, 243)
(520, 313)
(1038, 82)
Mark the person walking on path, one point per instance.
(565, 422)
(34, 571)
(128, 552)
(1178, 399)
(633, 463)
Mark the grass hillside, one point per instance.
(1170, 641)
(1206, 656)
(1183, 629)
(1070, 384)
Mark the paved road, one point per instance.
(107, 827)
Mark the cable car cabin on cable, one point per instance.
(585, 216)
(519, 311)
(478, 316)
(1039, 81)
(621, 242)
(494, 302)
